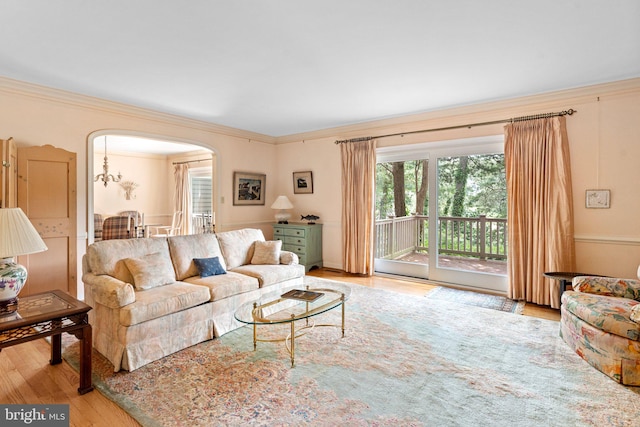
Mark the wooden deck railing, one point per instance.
(479, 237)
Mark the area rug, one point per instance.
(404, 361)
(477, 299)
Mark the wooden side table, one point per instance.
(565, 278)
(51, 314)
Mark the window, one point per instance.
(201, 192)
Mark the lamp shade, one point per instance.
(282, 202)
(17, 235)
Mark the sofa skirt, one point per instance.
(613, 355)
(131, 347)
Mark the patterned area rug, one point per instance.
(477, 299)
(404, 361)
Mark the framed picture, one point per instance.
(303, 182)
(248, 188)
(597, 199)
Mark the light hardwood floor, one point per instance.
(27, 377)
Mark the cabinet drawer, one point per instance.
(299, 232)
(278, 232)
(298, 250)
(297, 241)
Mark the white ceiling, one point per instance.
(280, 67)
(135, 144)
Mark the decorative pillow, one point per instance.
(209, 266)
(150, 271)
(266, 252)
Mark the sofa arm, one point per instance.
(635, 313)
(108, 290)
(608, 286)
(289, 258)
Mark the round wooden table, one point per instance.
(565, 278)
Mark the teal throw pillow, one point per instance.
(209, 266)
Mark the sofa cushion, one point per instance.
(237, 246)
(266, 252)
(150, 271)
(610, 314)
(221, 287)
(159, 302)
(209, 266)
(185, 248)
(270, 274)
(107, 256)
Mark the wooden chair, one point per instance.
(132, 214)
(169, 230)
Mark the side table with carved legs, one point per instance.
(51, 314)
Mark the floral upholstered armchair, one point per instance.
(600, 320)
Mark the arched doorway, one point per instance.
(142, 166)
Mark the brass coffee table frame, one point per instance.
(259, 318)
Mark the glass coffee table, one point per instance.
(292, 305)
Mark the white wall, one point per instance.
(35, 115)
(604, 137)
(153, 194)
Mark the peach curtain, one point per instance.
(183, 196)
(540, 208)
(358, 195)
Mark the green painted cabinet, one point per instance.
(305, 240)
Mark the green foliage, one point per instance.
(468, 186)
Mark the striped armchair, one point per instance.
(118, 227)
(97, 227)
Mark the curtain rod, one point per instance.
(568, 112)
(191, 161)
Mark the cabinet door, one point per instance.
(8, 191)
(47, 195)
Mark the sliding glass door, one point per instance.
(441, 212)
(402, 215)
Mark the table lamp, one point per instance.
(17, 237)
(282, 203)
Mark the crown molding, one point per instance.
(407, 123)
(21, 88)
(459, 115)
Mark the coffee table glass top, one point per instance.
(272, 308)
(44, 306)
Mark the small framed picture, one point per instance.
(597, 199)
(248, 188)
(303, 182)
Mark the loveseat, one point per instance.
(600, 320)
(152, 297)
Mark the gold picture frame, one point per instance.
(249, 188)
(303, 182)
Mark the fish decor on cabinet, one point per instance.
(311, 219)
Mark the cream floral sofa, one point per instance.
(600, 320)
(150, 297)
